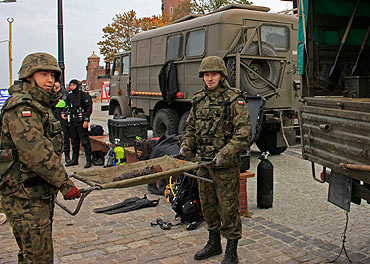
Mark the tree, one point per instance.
(117, 36)
(187, 7)
(206, 6)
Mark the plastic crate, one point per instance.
(127, 130)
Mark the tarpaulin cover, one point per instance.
(330, 35)
(104, 177)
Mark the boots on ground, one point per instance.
(231, 255)
(212, 248)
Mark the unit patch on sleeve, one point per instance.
(241, 102)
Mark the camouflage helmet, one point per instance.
(212, 64)
(39, 62)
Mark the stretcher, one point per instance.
(101, 179)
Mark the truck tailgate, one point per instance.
(336, 130)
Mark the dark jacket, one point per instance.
(79, 104)
(168, 81)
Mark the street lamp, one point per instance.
(8, 1)
(10, 21)
(61, 43)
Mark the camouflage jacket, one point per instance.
(34, 136)
(218, 125)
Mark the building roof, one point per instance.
(94, 56)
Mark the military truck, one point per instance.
(259, 49)
(334, 55)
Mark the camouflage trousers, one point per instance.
(32, 228)
(220, 201)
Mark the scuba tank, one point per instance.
(265, 182)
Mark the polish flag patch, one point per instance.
(26, 113)
(241, 102)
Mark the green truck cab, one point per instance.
(258, 47)
(333, 59)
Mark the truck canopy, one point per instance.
(326, 28)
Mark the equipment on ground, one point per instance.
(265, 182)
(100, 179)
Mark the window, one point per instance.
(116, 70)
(126, 64)
(195, 43)
(276, 36)
(174, 47)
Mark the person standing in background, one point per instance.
(79, 106)
(57, 111)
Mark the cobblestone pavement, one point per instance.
(301, 227)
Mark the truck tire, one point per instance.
(117, 112)
(165, 122)
(248, 80)
(267, 142)
(182, 122)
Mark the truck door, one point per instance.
(119, 86)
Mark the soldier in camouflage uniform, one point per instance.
(218, 128)
(30, 158)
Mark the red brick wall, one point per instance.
(167, 5)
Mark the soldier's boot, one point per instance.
(212, 248)
(74, 160)
(231, 255)
(88, 160)
(67, 159)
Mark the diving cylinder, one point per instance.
(265, 182)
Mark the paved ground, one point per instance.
(301, 227)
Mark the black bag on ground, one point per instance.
(166, 145)
(184, 200)
(98, 157)
(143, 148)
(96, 130)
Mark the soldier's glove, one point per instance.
(187, 154)
(72, 194)
(217, 162)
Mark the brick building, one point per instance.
(169, 6)
(95, 73)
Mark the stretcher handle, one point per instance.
(85, 192)
(197, 177)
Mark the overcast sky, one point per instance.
(35, 29)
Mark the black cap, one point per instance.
(74, 81)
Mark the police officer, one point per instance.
(218, 129)
(31, 147)
(57, 111)
(79, 105)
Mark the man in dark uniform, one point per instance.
(218, 128)
(79, 106)
(31, 173)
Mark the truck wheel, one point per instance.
(182, 122)
(248, 80)
(165, 122)
(267, 142)
(117, 112)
